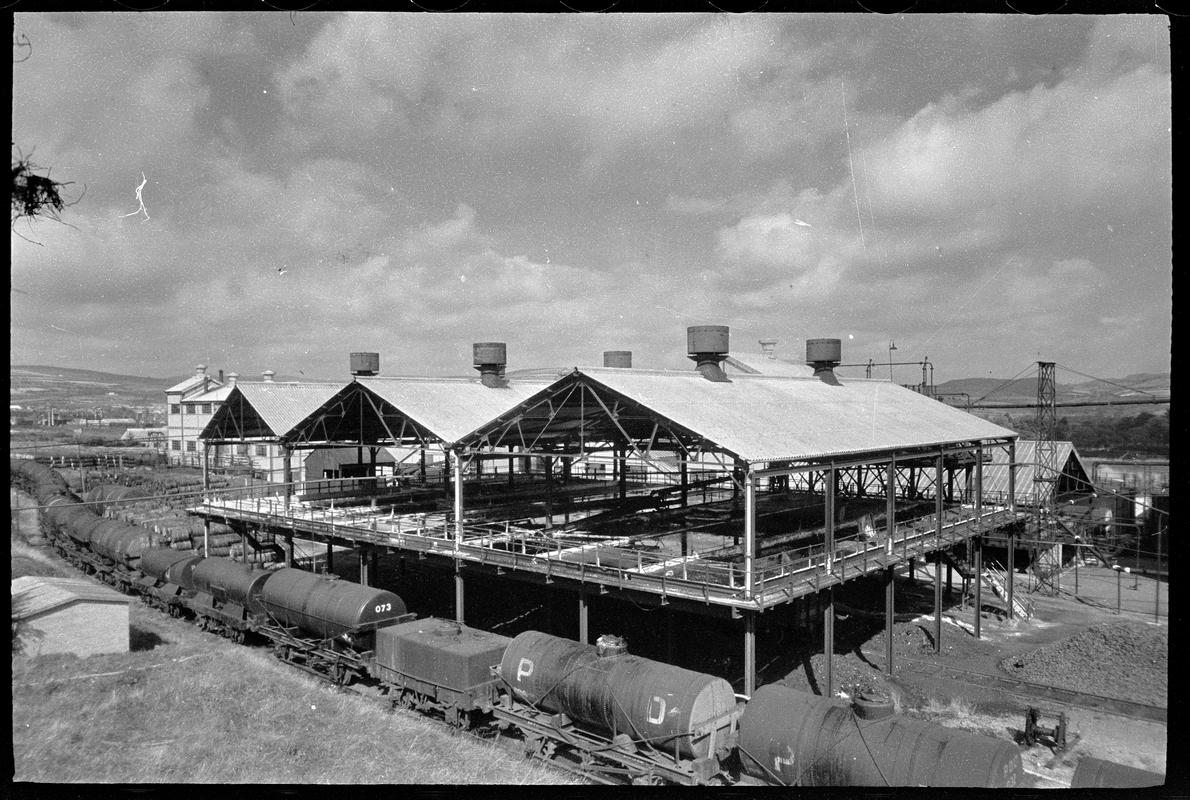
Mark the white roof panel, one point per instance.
(764, 418)
(451, 408)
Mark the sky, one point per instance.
(986, 191)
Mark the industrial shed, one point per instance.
(68, 615)
(749, 492)
(1034, 484)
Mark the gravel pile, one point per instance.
(1114, 659)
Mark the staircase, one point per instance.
(997, 581)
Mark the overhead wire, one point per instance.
(1104, 380)
(1005, 383)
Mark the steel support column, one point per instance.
(890, 524)
(749, 534)
(828, 490)
(365, 566)
(978, 540)
(683, 476)
(1011, 533)
(622, 460)
(828, 640)
(458, 591)
(206, 485)
(749, 652)
(286, 476)
(549, 492)
(938, 487)
(583, 633)
(457, 464)
(889, 615)
(330, 555)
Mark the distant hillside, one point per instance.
(1025, 389)
(62, 386)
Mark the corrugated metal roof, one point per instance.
(190, 383)
(995, 472)
(281, 405)
(762, 418)
(451, 408)
(36, 595)
(215, 395)
(749, 363)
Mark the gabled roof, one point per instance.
(36, 595)
(216, 394)
(266, 409)
(191, 383)
(763, 418)
(1066, 460)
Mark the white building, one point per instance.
(190, 405)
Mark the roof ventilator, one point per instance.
(267, 375)
(364, 364)
(707, 347)
(824, 355)
(768, 347)
(620, 359)
(490, 358)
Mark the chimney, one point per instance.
(200, 371)
(767, 346)
(364, 364)
(707, 346)
(231, 378)
(221, 376)
(268, 375)
(490, 358)
(620, 359)
(824, 355)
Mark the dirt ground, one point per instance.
(1080, 644)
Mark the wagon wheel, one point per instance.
(648, 779)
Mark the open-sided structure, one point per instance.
(746, 492)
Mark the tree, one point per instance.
(33, 194)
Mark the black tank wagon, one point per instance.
(799, 739)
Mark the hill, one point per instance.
(994, 390)
(64, 387)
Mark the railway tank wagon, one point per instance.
(658, 706)
(323, 624)
(227, 596)
(795, 738)
(167, 575)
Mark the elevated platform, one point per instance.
(700, 581)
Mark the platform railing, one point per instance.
(612, 562)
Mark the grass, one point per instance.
(190, 707)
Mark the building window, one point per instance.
(190, 447)
(175, 444)
(189, 408)
(175, 408)
(241, 449)
(262, 450)
(206, 408)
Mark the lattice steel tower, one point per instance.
(1045, 472)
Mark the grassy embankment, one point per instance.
(189, 707)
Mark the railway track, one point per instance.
(1038, 691)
